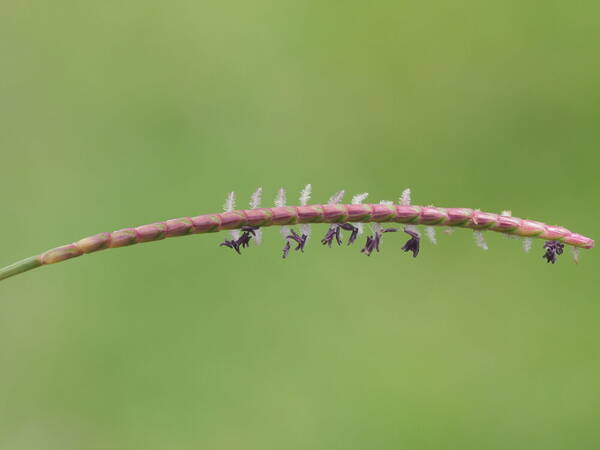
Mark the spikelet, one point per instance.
(255, 201)
(280, 201)
(304, 198)
(357, 200)
(229, 206)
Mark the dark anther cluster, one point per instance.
(372, 244)
(412, 245)
(553, 249)
(299, 240)
(243, 241)
(334, 232)
(374, 241)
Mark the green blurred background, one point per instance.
(115, 114)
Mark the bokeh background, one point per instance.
(115, 114)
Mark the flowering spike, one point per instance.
(527, 242)
(405, 197)
(336, 198)
(337, 216)
(480, 240)
(430, 232)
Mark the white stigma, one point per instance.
(527, 244)
(256, 198)
(405, 197)
(479, 240)
(430, 232)
(305, 195)
(229, 204)
(280, 198)
(359, 198)
(336, 198)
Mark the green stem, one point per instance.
(20, 267)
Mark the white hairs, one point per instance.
(256, 198)
(280, 199)
(430, 232)
(359, 198)
(305, 195)
(337, 197)
(405, 197)
(575, 254)
(229, 204)
(527, 244)
(480, 240)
